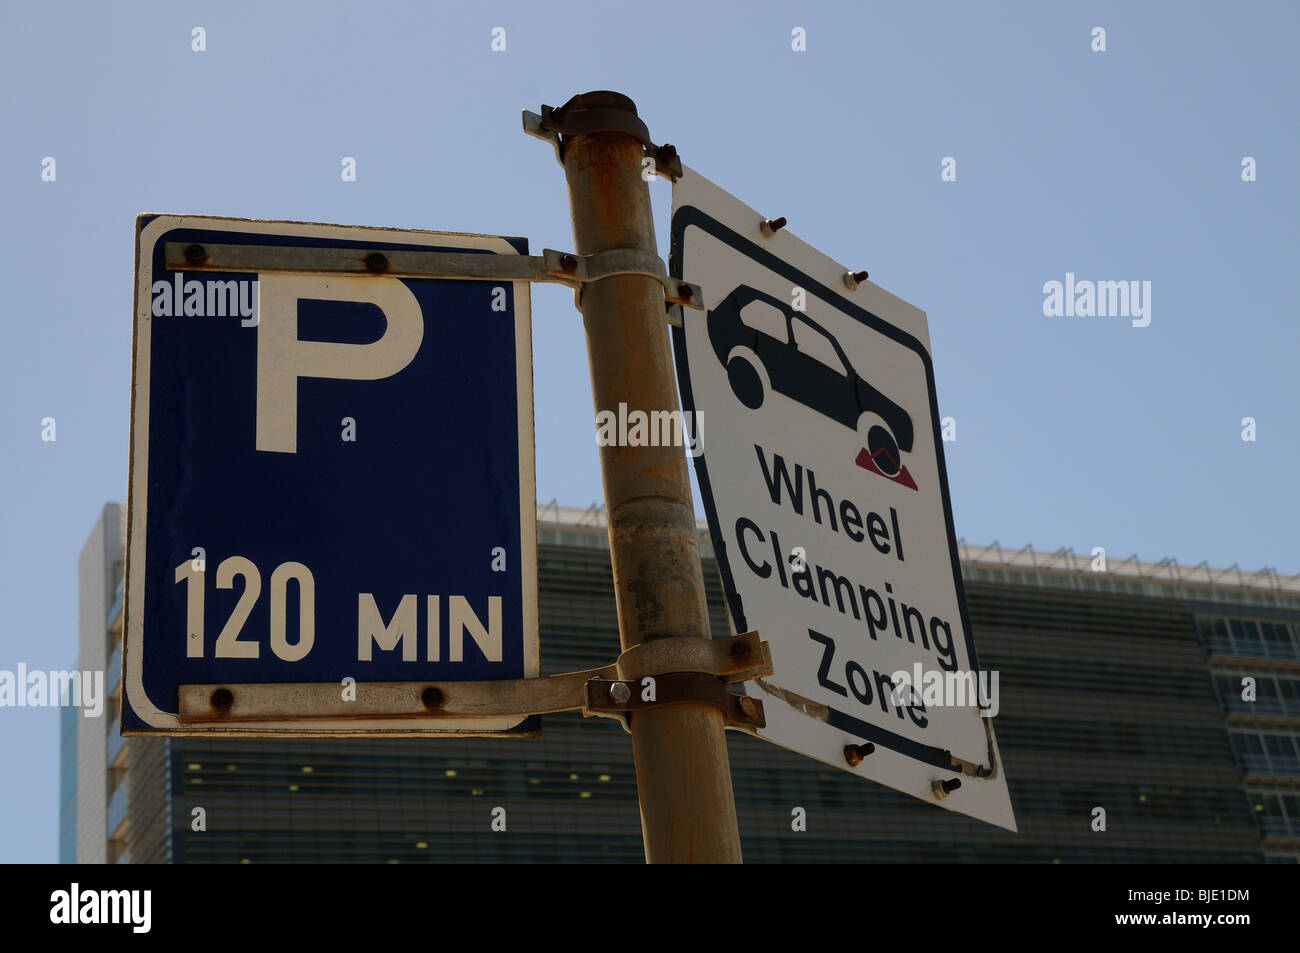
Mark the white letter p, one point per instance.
(282, 358)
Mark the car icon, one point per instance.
(757, 362)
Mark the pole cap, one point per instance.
(599, 99)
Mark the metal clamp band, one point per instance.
(622, 261)
(619, 699)
(556, 125)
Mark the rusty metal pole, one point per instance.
(688, 811)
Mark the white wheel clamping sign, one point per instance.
(823, 479)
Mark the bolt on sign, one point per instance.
(822, 475)
(332, 492)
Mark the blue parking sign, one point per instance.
(332, 482)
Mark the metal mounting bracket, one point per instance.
(435, 706)
(555, 266)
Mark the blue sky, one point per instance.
(1122, 165)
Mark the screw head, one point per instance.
(942, 789)
(223, 699)
(195, 253)
(684, 291)
(431, 697)
(852, 279)
(740, 649)
(854, 754)
(619, 693)
(377, 261)
(748, 706)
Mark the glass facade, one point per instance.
(1255, 668)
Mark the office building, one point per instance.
(92, 783)
(1120, 689)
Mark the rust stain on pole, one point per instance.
(688, 811)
